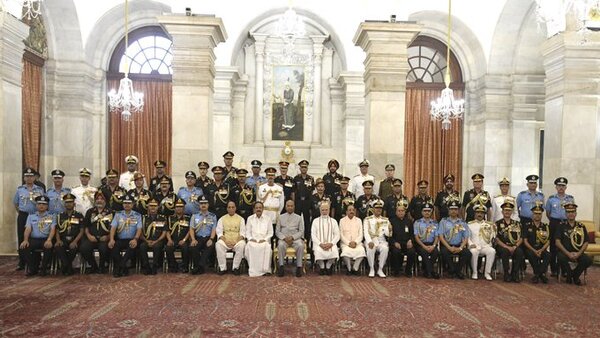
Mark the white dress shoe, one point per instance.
(488, 277)
(372, 273)
(381, 274)
(474, 276)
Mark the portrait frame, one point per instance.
(290, 75)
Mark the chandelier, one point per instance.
(30, 9)
(290, 27)
(126, 100)
(446, 107)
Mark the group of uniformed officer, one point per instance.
(123, 218)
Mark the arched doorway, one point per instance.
(148, 134)
(430, 152)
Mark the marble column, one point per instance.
(12, 33)
(386, 66)
(259, 120)
(353, 111)
(572, 116)
(194, 40)
(318, 60)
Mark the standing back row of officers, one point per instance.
(231, 184)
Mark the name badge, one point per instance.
(288, 184)
(337, 181)
(184, 224)
(405, 228)
(222, 191)
(159, 224)
(74, 220)
(47, 221)
(105, 219)
(308, 183)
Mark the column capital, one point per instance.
(260, 41)
(12, 33)
(386, 45)
(194, 40)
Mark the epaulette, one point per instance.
(279, 184)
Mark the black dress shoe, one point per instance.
(348, 272)
(515, 279)
(103, 271)
(535, 279)
(408, 274)
(125, 272)
(236, 272)
(117, 274)
(147, 272)
(31, 273)
(298, 272)
(221, 272)
(544, 279)
(435, 275)
(506, 278)
(322, 272)
(280, 271)
(576, 281)
(460, 276)
(330, 271)
(43, 273)
(183, 270)
(569, 280)
(20, 268)
(554, 274)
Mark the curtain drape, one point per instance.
(429, 152)
(148, 134)
(31, 108)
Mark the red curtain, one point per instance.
(31, 108)
(429, 152)
(148, 134)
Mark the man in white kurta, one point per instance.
(271, 195)
(498, 200)
(325, 234)
(259, 230)
(231, 233)
(351, 236)
(377, 229)
(481, 237)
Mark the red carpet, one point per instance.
(313, 306)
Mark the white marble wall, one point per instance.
(12, 33)
(572, 117)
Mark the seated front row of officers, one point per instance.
(121, 236)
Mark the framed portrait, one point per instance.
(288, 95)
(288, 102)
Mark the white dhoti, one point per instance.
(353, 253)
(258, 256)
(490, 255)
(382, 248)
(222, 249)
(321, 254)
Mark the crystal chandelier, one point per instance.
(126, 100)
(446, 107)
(290, 28)
(30, 9)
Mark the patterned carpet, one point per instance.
(312, 306)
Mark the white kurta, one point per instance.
(357, 182)
(257, 254)
(351, 230)
(84, 198)
(497, 210)
(325, 230)
(273, 199)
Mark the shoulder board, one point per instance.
(356, 176)
(369, 217)
(385, 218)
(279, 184)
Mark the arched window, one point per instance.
(149, 53)
(148, 134)
(427, 62)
